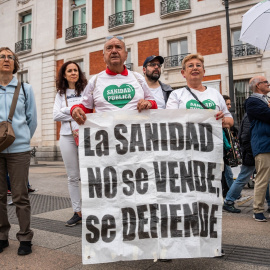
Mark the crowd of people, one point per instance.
(75, 98)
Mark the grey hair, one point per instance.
(253, 83)
(119, 40)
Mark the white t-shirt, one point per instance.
(115, 92)
(211, 98)
(62, 113)
(159, 97)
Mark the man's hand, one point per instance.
(144, 105)
(79, 116)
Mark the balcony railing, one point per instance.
(76, 31)
(23, 45)
(174, 60)
(174, 6)
(244, 50)
(121, 19)
(129, 66)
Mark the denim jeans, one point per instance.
(228, 175)
(237, 186)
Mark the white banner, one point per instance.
(151, 185)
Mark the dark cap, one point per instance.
(152, 57)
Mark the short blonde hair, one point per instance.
(192, 56)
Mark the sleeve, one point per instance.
(31, 111)
(87, 99)
(147, 92)
(173, 102)
(58, 115)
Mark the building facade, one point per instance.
(45, 34)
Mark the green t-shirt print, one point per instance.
(194, 104)
(119, 96)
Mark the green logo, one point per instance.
(194, 104)
(119, 96)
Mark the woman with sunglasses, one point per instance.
(70, 85)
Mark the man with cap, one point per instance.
(152, 70)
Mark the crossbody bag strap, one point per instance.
(67, 106)
(14, 102)
(196, 97)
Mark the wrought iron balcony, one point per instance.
(244, 50)
(129, 66)
(174, 60)
(168, 7)
(123, 18)
(76, 31)
(23, 45)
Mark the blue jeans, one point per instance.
(228, 175)
(237, 186)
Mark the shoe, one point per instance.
(230, 208)
(74, 220)
(9, 193)
(3, 244)
(25, 248)
(30, 190)
(268, 210)
(259, 217)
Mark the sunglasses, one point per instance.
(263, 82)
(118, 37)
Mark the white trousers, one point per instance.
(69, 151)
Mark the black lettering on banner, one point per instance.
(160, 175)
(175, 220)
(203, 213)
(102, 148)
(129, 223)
(110, 182)
(154, 220)
(213, 221)
(191, 219)
(191, 137)
(207, 145)
(142, 221)
(121, 150)
(136, 139)
(200, 185)
(173, 176)
(163, 137)
(141, 176)
(108, 223)
(92, 237)
(87, 143)
(164, 220)
(211, 177)
(186, 177)
(94, 183)
(176, 132)
(151, 137)
(125, 176)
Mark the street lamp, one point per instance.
(230, 66)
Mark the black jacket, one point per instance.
(166, 90)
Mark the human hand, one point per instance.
(144, 105)
(219, 115)
(79, 115)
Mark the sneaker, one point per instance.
(30, 190)
(3, 244)
(74, 220)
(9, 193)
(230, 208)
(259, 217)
(25, 248)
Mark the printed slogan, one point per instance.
(151, 185)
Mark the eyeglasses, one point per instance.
(154, 64)
(9, 57)
(118, 37)
(191, 66)
(263, 82)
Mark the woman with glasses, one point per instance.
(15, 159)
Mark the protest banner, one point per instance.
(151, 185)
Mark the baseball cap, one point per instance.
(152, 57)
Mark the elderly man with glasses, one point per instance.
(115, 88)
(258, 111)
(152, 70)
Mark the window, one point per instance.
(80, 64)
(79, 12)
(123, 5)
(178, 49)
(25, 22)
(23, 76)
(129, 64)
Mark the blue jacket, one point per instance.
(24, 120)
(259, 116)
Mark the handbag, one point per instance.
(75, 132)
(7, 135)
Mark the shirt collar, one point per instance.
(124, 72)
